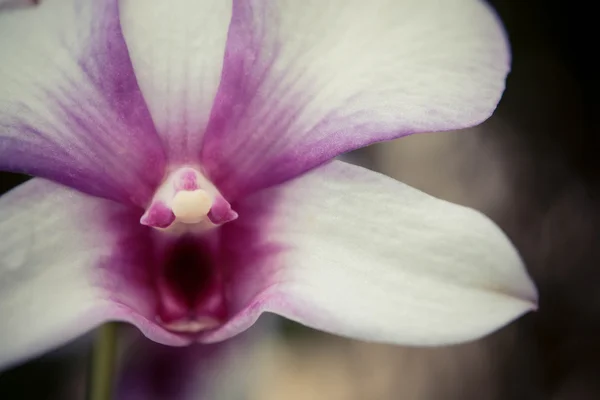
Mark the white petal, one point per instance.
(177, 51)
(359, 254)
(304, 81)
(57, 251)
(70, 108)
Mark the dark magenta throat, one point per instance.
(191, 295)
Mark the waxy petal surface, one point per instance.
(348, 251)
(68, 262)
(70, 107)
(177, 50)
(304, 81)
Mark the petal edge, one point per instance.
(358, 254)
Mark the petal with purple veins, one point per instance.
(70, 107)
(177, 51)
(348, 251)
(68, 262)
(305, 81)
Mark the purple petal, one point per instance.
(70, 107)
(68, 262)
(355, 253)
(305, 81)
(177, 51)
(199, 372)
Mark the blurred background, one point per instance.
(533, 169)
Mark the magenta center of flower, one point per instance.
(191, 294)
(187, 197)
(185, 210)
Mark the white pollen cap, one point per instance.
(191, 206)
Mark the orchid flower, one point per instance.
(184, 177)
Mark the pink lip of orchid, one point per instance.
(184, 185)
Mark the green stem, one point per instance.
(103, 363)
